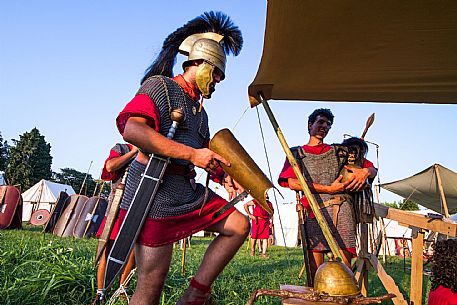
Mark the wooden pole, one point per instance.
(417, 267)
(364, 253)
(387, 281)
(440, 186)
(183, 259)
(312, 202)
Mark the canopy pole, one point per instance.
(440, 186)
(314, 206)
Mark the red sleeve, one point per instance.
(367, 163)
(106, 175)
(140, 106)
(286, 173)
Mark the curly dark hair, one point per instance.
(322, 112)
(444, 264)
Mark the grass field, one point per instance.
(38, 268)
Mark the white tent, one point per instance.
(286, 215)
(42, 196)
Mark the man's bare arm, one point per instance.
(118, 162)
(316, 188)
(141, 135)
(359, 177)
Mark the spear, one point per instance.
(368, 124)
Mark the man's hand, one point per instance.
(207, 159)
(232, 187)
(358, 178)
(134, 149)
(337, 186)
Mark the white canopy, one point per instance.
(42, 196)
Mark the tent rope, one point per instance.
(274, 193)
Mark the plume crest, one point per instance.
(216, 22)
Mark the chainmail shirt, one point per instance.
(175, 196)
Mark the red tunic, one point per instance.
(158, 232)
(442, 296)
(260, 228)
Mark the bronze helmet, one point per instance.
(335, 279)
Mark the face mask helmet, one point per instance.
(207, 38)
(205, 47)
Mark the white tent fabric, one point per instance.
(287, 216)
(42, 196)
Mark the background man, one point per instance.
(261, 224)
(322, 175)
(181, 207)
(114, 168)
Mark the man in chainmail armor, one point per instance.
(182, 207)
(321, 167)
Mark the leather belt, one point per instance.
(181, 170)
(336, 201)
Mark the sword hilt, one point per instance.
(177, 116)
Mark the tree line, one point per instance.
(28, 160)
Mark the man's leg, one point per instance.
(100, 297)
(315, 260)
(152, 265)
(233, 231)
(128, 267)
(264, 247)
(253, 242)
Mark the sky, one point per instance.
(69, 67)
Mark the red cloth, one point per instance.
(159, 232)
(260, 228)
(142, 106)
(442, 296)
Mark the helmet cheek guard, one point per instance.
(204, 79)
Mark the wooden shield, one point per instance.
(71, 203)
(56, 212)
(10, 207)
(74, 215)
(90, 217)
(40, 217)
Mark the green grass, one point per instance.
(38, 268)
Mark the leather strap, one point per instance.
(181, 170)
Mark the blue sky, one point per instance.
(69, 67)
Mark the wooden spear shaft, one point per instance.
(312, 202)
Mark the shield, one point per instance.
(40, 217)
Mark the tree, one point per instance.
(29, 160)
(75, 179)
(391, 204)
(409, 205)
(3, 153)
